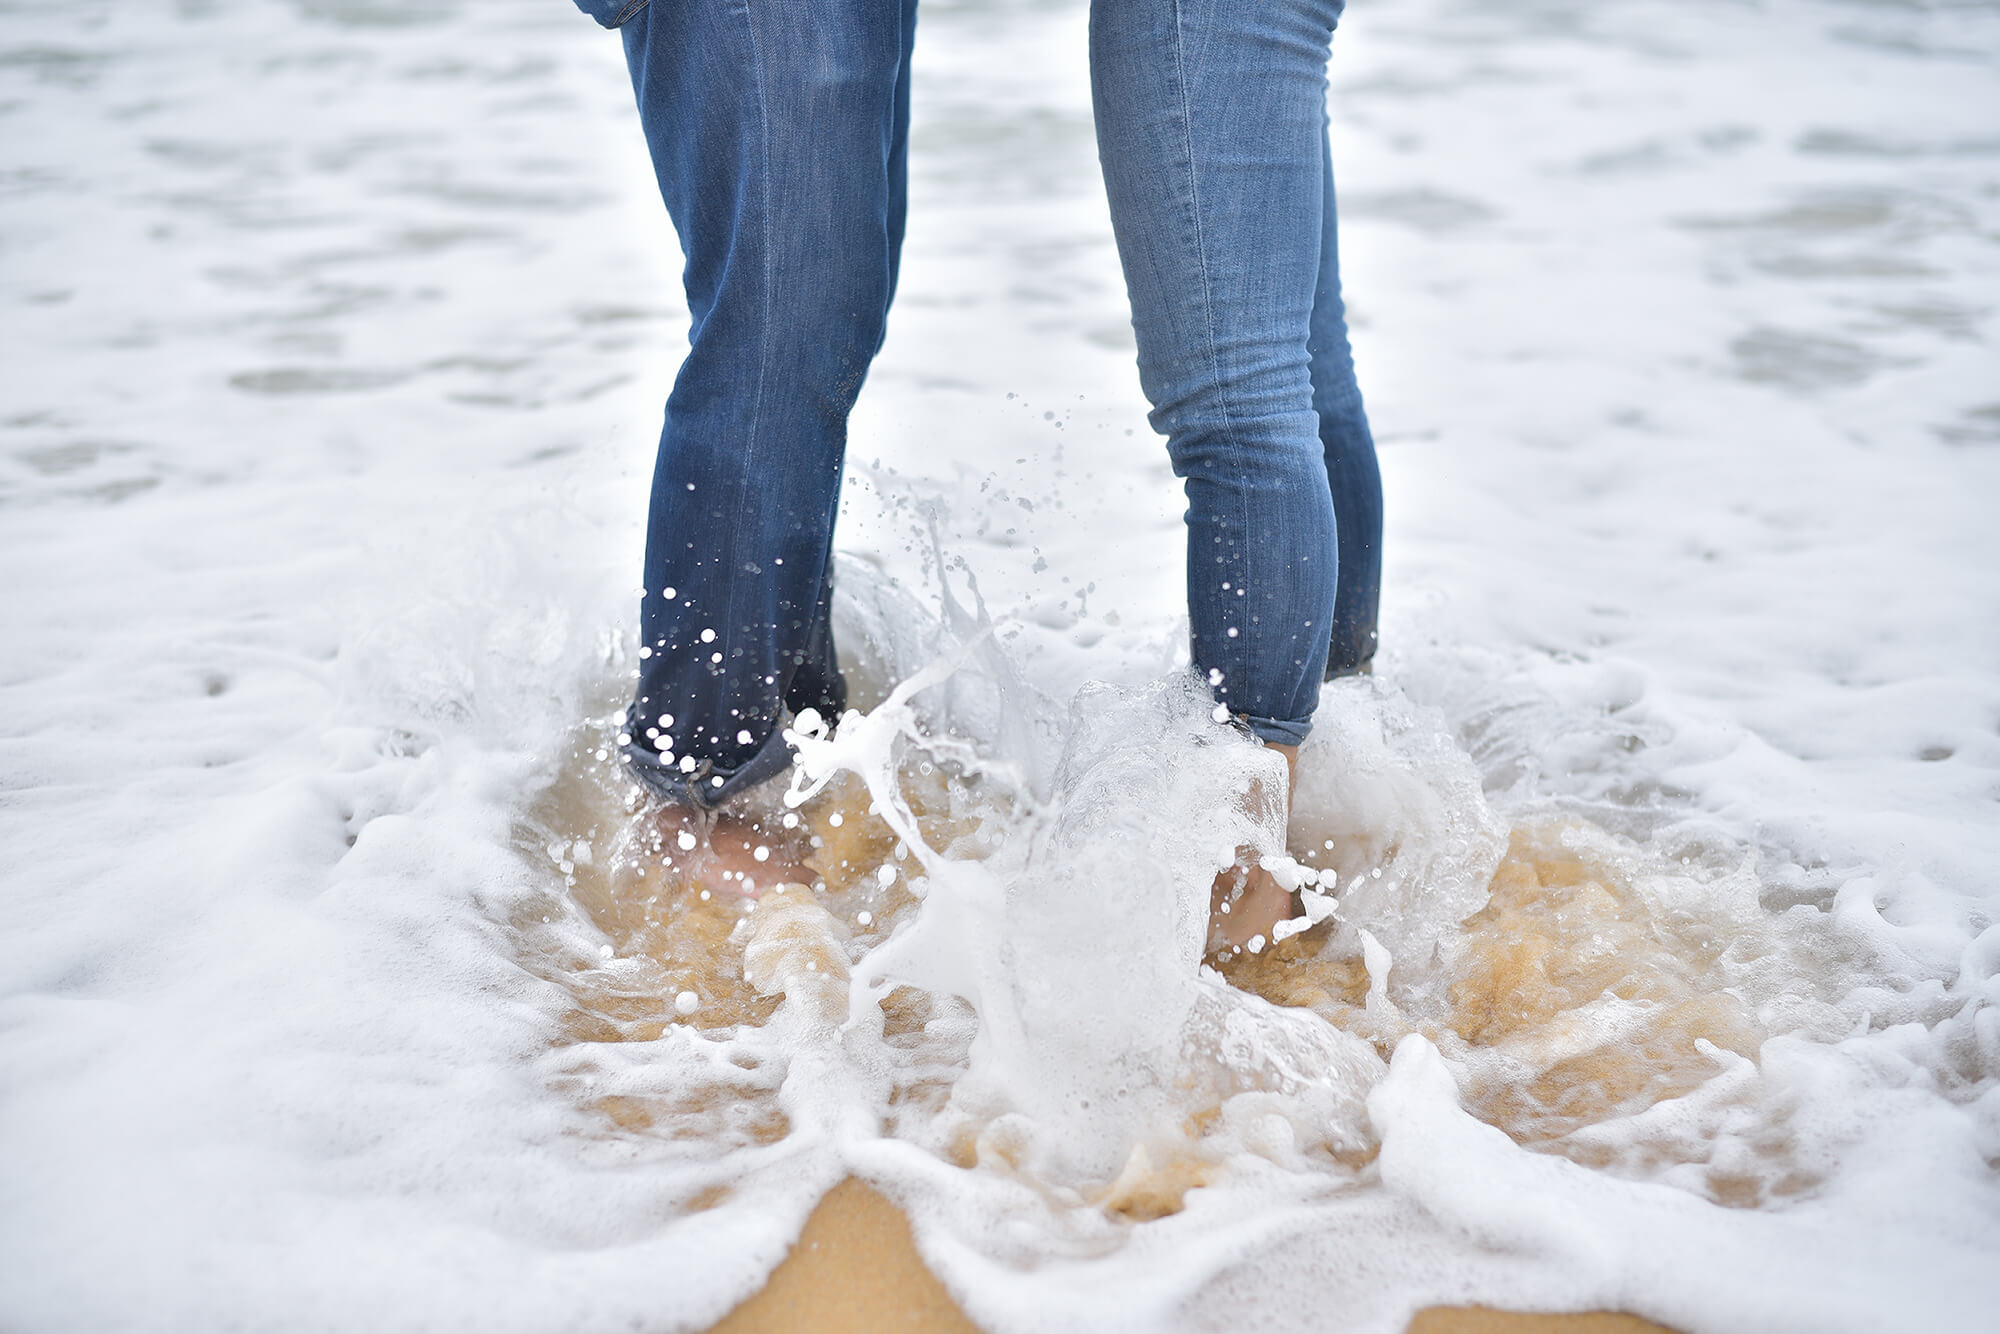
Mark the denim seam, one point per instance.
(1208, 309)
(731, 621)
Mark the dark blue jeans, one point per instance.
(1212, 132)
(778, 132)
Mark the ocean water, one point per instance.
(1657, 871)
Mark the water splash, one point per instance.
(1002, 952)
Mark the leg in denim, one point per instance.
(1211, 124)
(778, 131)
(1351, 469)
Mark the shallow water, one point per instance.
(1576, 979)
(334, 345)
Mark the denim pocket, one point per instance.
(611, 13)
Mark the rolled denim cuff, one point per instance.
(707, 786)
(611, 13)
(1274, 733)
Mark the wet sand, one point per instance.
(855, 1270)
(852, 1271)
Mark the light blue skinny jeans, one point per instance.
(778, 131)
(1212, 133)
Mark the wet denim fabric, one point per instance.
(1212, 134)
(778, 130)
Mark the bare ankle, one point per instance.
(1247, 901)
(744, 853)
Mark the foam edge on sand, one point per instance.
(855, 1270)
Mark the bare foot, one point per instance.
(1245, 905)
(1248, 901)
(742, 853)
